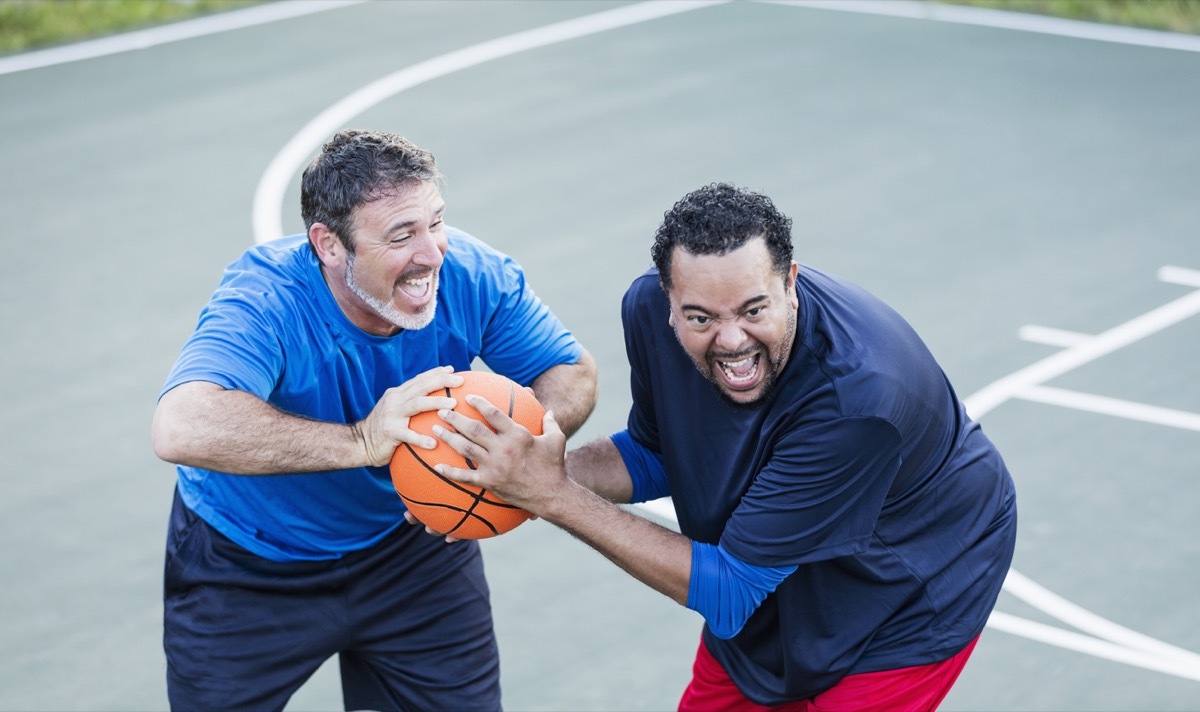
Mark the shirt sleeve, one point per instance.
(645, 468)
(522, 337)
(819, 496)
(727, 591)
(234, 346)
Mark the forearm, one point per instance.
(658, 557)
(570, 391)
(204, 425)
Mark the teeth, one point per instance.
(730, 367)
(417, 287)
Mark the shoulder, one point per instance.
(273, 278)
(473, 267)
(466, 250)
(644, 290)
(284, 259)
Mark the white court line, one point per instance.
(1029, 380)
(1000, 19)
(268, 197)
(1088, 645)
(1050, 337)
(186, 29)
(1074, 615)
(1179, 275)
(1082, 353)
(1112, 406)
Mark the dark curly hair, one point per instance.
(356, 167)
(718, 219)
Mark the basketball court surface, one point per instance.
(1025, 191)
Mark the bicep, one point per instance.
(194, 413)
(598, 467)
(569, 390)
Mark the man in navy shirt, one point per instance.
(845, 526)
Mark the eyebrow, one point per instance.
(745, 305)
(409, 223)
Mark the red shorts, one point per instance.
(913, 689)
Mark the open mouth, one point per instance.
(418, 288)
(742, 373)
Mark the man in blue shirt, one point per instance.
(287, 542)
(845, 526)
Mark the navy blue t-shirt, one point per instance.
(861, 468)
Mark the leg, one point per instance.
(235, 633)
(423, 628)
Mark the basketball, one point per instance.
(442, 504)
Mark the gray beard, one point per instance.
(386, 310)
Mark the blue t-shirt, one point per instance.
(273, 329)
(862, 469)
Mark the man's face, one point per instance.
(391, 278)
(734, 317)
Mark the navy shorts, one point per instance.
(409, 619)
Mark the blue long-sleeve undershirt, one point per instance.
(645, 468)
(722, 589)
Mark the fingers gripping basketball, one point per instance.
(449, 507)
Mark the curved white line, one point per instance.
(268, 197)
(1076, 616)
(1050, 635)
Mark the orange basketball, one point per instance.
(447, 506)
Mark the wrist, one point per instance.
(360, 446)
(565, 501)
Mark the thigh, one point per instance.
(237, 632)
(423, 628)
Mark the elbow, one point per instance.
(164, 438)
(172, 432)
(588, 381)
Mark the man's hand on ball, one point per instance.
(522, 468)
(386, 427)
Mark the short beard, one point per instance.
(388, 311)
(773, 365)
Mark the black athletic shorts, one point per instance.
(409, 619)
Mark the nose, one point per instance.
(431, 250)
(730, 336)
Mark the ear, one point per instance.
(329, 248)
(793, 298)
